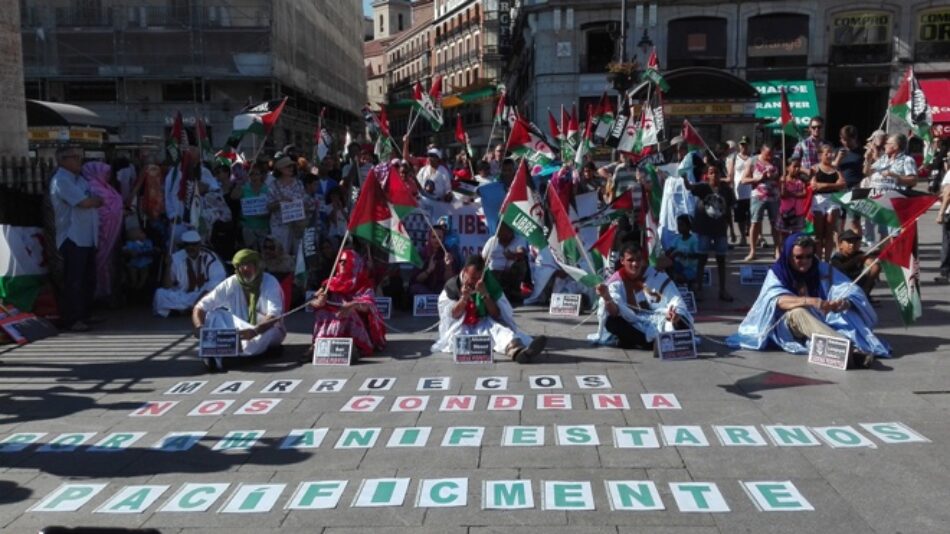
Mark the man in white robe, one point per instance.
(193, 272)
(228, 306)
(468, 306)
(638, 303)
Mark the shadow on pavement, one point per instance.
(749, 386)
(23, 405)
(11, 492)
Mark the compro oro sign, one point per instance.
(861, 28)
(801, 98)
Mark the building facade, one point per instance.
(138, 62)
(851, 55)
(462, 41)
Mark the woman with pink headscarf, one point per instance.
(110, 222)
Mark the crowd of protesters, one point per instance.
(125, 232)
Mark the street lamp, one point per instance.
(645, 43)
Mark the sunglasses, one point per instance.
(803, 256)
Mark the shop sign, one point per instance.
(763, 47)
(801, 98)
(861, 28)
(933, 25)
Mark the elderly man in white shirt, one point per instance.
(250, 301)
(434, 179)
(192, 272)
(894, 169)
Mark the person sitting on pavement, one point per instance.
(802, 296)
(851, 261)
(507, 257)
(346, 306)
(472, 303)
(439, 266)
(228, 306)
(637, 303)
(189, 274)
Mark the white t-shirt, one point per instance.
(497, 261)
(743, 191)
(440, 180)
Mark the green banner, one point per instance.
(802, 98)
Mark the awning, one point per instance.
(938, 96)
(802, 99)
(40, 113)
(937, 91)
(705, 93)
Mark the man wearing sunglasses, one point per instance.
(807, 149)
(802, 296)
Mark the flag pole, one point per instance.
(338, 254)
(432, 229)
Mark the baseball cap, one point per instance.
(434, 153)
(849, 235)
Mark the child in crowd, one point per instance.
(139, 252)
(792, 198)
(683, 253)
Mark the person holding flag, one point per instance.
(710, 218)
(472, 303)
(637, 303)
(803, 295)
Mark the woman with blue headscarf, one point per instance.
(802, 296)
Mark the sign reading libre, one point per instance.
(676, 345)
(219, 342)
(425, 306)
(829, 351)
(565, 304)
(333, 351)
(473, 349)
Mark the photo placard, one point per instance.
(333, 351)
(752, 275)
(689, 299)
(292, 211)
(218, 342)
(675, 345)
(385, 306)
(829, 351)
(473, 349)
(565, 305)
(254, 206)
(425, 306)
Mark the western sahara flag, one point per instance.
(892, 208)
(429, 105)
(22, 267)
(909, 104)
(615, 210)
(566, 246)
(524, 143)
(374, 220)
(902, 270)
(522, 211)
(600, 250)
(257, 119)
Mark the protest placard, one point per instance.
(218, 342)
(254, 206)
(425, 306)
(333, 351)
(675, 345)
(292, 211)
(752, 275)
(689, 300)
(384, 305)
(473, 349)
(829, 351)
(565, 304)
